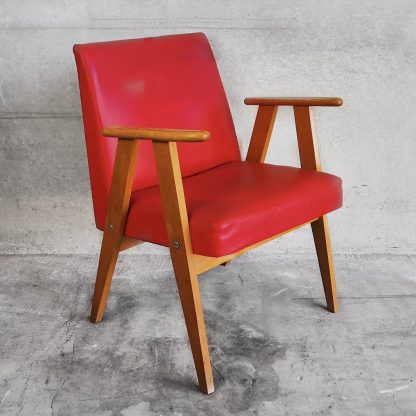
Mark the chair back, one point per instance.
(161, 82)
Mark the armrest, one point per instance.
(266, 115)
(157, 135)
(295, 101)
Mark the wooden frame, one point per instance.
(186, 264)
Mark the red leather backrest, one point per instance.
(161, 82)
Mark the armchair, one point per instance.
(188, 188)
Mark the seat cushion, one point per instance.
(238, 204)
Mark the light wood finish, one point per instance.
(186, 264)
(309, 159)
(160, 135)
(307, 140)
(295, 101)
(320, 230)
(262, 131)
(176, 218)
(118, 205)
(205, 263)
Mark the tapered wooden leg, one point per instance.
(107, 263)
(113, 239)
(180, 245)
(188, 288)
(320, 230)
(309, 159)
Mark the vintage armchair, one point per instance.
(165, 168)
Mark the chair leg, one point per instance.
(320, 230)
(118, 205)
(188, 288)
(110, 248)
(180, 245)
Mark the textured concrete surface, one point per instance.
(275, 350)
(362, 51)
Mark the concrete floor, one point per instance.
(275, 350)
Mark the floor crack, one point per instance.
(21, 405)
(57, 392)
(71, 333)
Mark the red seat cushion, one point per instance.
(238, 204)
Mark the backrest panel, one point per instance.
(162, 82)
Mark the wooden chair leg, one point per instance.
(113, 239)
(320, 230)
(106, 265)
(180, 245)
(189, 294)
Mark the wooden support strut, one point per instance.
(176, 218)
(118, 206)
(309, 159)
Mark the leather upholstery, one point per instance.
(173, 82)
(161, 82)
(238, 204)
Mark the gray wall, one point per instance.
(363, 51)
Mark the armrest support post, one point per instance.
(307, 140)
(183, 260)
(173, 197)
(117, 208)
(262, 131)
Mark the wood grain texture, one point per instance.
(177, 226)
(307, 140)
(320, 230)
(205, 263)
(262, 132)
(161, 135)
(118, 205)
(309, 159)
(295, 101)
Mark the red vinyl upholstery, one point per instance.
(173, 82)
(237, 205)
(163, 82)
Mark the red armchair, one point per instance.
(188, 189)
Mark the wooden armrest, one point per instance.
(157, 135)
(295, 101)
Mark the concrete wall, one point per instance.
(363, 51)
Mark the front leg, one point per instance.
(115, 223)
(177, 226)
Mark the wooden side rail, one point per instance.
(180, 246)
(114, 240)
(309, 159)
(176, 218)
